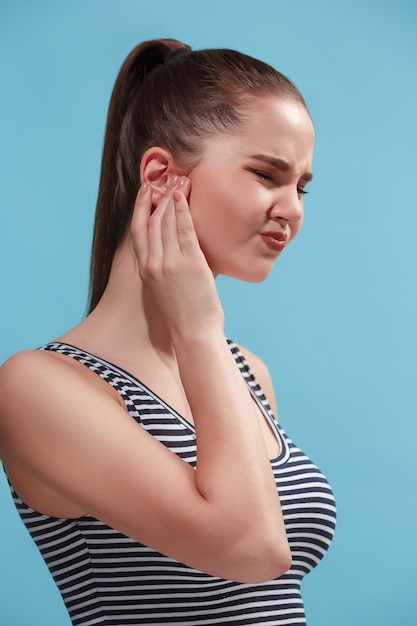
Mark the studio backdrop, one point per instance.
(335, 322)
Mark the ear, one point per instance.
(157, 168)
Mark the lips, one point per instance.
(275, 240)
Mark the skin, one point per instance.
(86, 454)
(269, 199)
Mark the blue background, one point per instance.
(336, 321)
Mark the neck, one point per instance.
(126, 319)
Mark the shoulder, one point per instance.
(32, 377)
(26, 370)
(22, 362)
(20, 370)
(24, 377)
(20, 391)
(262, 375)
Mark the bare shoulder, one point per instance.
(25, 367)
(19, 373)
(26, 370)
(22, 384)
(262, 375)
(30, 377)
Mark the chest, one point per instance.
(160, 390)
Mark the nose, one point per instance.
(287, 206)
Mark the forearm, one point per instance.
(232, 462)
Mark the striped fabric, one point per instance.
(106, 578)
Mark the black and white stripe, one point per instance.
(108, 579)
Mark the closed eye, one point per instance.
(266, 176)
(261, 174)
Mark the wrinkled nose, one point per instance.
(288, 206)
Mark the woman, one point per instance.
(141, 446)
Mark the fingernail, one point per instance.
(143, 189)
(182, 182)
(173, 182)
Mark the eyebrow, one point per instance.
(279, 164)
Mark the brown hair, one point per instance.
(170, 96)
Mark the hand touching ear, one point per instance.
(158, 169)
(171, 262)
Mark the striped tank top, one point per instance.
(108, 579)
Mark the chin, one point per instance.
(252, 275)
(247, 268)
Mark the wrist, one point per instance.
(201, 337)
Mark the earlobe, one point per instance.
(157, 167)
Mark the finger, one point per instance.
(139, 225)
(187, 237)
(169, 231)
(169, 236)
(184, 185)
(157, 226)
(145, 226)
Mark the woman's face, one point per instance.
(246, 195)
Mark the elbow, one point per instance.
(257, 558)
(249, 549)
(268, 563)
(268, 554)
(278, 563)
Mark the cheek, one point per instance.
(199, 202)
(202, 203)
(209, 204)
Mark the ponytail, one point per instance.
(110, 221)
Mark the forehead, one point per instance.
(275, 126)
